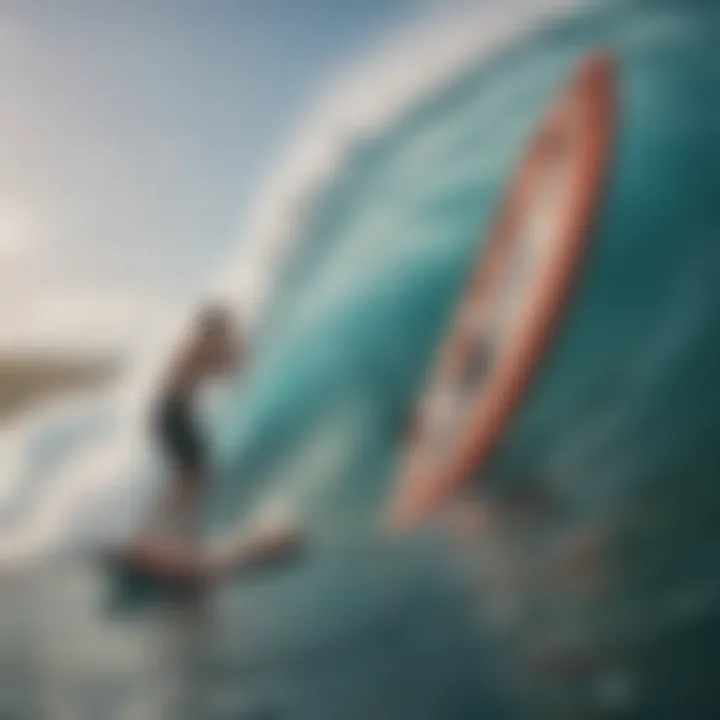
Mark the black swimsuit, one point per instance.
(177, 433)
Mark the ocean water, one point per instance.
(602, 603)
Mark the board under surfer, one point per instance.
(169, 545)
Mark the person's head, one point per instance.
(213, 321)
(215, 336)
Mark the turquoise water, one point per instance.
(619, 436)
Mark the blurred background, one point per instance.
(328, 170)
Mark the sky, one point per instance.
(133, 138)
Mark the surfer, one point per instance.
(169, 548)
(213, 349)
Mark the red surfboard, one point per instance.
(516, 295)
